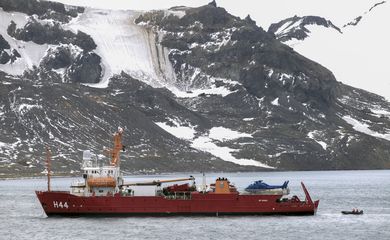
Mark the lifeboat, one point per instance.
(101, 182)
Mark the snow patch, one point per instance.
(315, 135)
(60, 71)
(205, 144)
(211, 89)
(223, 134)
(182, 132)
(270, 72)
(285, 152)
(275, 102)
(364, 128)
(287, 27)
(177, 13)
(23, 108)
(380, 112)
(247, 119)
(220, 39)
(222, 91)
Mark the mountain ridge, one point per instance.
(231, 97)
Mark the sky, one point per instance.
(358, 57)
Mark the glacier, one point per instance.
(125, 46)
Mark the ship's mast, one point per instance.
(204, 186)
(117, 147)
(48, 166)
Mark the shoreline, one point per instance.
(5, 178)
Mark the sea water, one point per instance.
(22, 217)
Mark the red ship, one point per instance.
(104, 192)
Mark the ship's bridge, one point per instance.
(92, 169)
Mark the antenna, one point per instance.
(48, 166)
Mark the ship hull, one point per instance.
(56, 203)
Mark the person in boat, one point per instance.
(355, 210)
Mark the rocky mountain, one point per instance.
(296, 27)
(354, 50)
(356, 21)
(196, 89)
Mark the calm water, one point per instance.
(21, 216)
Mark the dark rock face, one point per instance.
(376, 5)
(50, 33)
(59, 57)
(295, 27)
(213, 3)
(86, 69)
(354, 22)
(75, 64)
(249, 20)
(44, 9)
(240, 51)
(16, 53)
(3, 43)
(5, 56)
(84, 41)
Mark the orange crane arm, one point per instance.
(117, 147)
